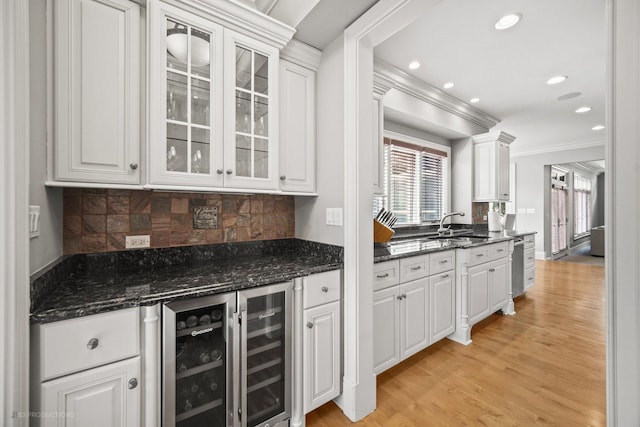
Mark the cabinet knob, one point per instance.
(133, 383)
(325, 289)
(309, 325)
(133, 166)
(93, 343)
(283, 177)
(229, 171)
(219, 171)
(492, 270)
(400, 297)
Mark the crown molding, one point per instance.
(576, 145)
(387, 75)
(497, 135)
(240, 17)
(302, 54)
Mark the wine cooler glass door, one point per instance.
(197, 362)
(266, 348)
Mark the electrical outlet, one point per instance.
(34, 221)
(136, 242)
(334, 216)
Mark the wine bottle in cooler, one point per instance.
(192, 321)
(201, 355)
(182, 359)
(210, 381)
(184, 400)
(216, 315)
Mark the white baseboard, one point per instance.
(540, 255)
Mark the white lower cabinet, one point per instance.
(86, 371)
(408, 316)
(321, 339)
(107, 396)
(483, 286)
(442, 307)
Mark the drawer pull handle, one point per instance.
(382, 276)
(325, 289)
(399, 297)
(133, 383)
(479, 255)
(530, 278)
(416, 268)
(530, 257)
(265, 315)
(492, 270)
(444, 276)
(309, 325)
(93, 343)
(444, 261)
(500, 250)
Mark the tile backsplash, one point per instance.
(98, 220)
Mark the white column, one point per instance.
(297, 405)
(151, 365)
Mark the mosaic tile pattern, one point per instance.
(98, 220)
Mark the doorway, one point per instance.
(559, 217)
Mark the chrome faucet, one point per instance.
(441, 230)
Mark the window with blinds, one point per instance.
(581, 205)
(415, 182)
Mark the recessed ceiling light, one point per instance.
(474, 100)
(557, 79)
(569, 95)
(414, 65)
(597, 127)
(448, 85)
(508, 21)
(583, 110)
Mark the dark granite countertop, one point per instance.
(95, 285)
(420, 245)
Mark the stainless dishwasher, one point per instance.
(517, 268)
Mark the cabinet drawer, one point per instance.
(414, 268)
(478, 255)
(529, 241)
(529, 258)
(442, 261)
(77, 344)
(529, 278)
(498, 250)
(386, 274)
(321, 288)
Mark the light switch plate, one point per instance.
(34, 221)
(334, 216)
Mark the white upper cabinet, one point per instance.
(97, 93)
(297, 128)
(185, 98)
(491, 153)
(251, 113)
(213, 97)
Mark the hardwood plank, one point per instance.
(543, 366)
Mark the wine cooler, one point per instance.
(227, 359)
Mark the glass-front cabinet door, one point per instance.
(251, 103)
(186, 99)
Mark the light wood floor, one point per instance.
(543, 366)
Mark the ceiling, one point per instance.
(456, 41)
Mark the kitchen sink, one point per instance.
(471, 239)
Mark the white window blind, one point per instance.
(415, 182)
(581, 205)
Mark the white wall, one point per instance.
(530, 186)
(311, 211)
(48, 246)
(416, 133)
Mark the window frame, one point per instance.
(429, 145)
(588, 195)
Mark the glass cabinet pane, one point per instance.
(261, 158)
(261, 80)
(266, 364)
(244, 59)
(176, 46)
(177, 97)
(176, 147)
(243, 155)
(200, 102)
(200, 151)
(200, 53)
(261, 116)
(243, 112)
